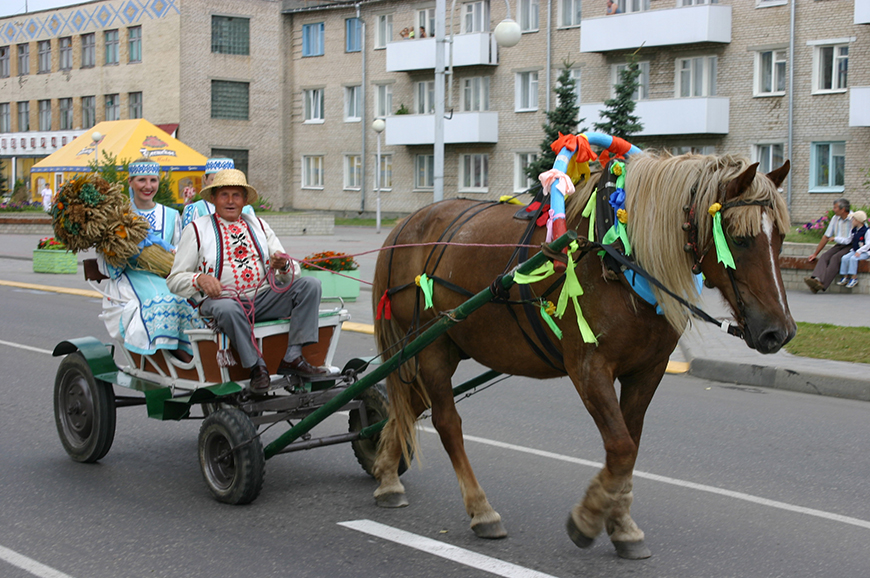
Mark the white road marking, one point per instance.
(27, 347)
(29, 565)
(675, 482)
(442, 550)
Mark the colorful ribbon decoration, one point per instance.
(723, 252)
(571, 290)
(427, 285)
(549, 321)
(555, 175)
(618, 147)
(385, 306)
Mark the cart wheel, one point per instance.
(231, 456)
(377, 409)
(84, 410)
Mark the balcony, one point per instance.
(464, 127)
(859, 106)
(862, 11)
(673, 116)
(419, 54)
(669, 27)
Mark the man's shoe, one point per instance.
(852, 284)
(260, 380)
(302, 368)
(814, 284)
(842, 281)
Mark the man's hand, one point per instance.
(278, 262)
(209, 285)
(811, 258)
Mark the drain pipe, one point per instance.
(790, 100)
(549, 50)
(362, 113)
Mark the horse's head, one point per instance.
(753, 218)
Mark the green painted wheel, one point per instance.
(231, 456)
(84, 410)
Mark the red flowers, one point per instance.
(330, 261)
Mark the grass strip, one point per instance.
(826, 341)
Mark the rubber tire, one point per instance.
(84, 410)
(239, 478)
(377, 408)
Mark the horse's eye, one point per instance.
(742, 241)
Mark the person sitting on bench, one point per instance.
(222, 260)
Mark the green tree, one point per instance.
(2, 180)
(618, 111)
(562, 119)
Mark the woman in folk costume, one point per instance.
(139, 309)
(202, 207)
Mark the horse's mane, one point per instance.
(657, 187)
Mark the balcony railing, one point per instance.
(862, 11)
(464, 127)
(668, 27)
(419, 54)
(859, 106)
(673, 116)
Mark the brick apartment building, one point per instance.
(290, 89)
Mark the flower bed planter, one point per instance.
(335, 285)
(52, 261)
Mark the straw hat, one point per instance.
(860, 215)
(229, 178)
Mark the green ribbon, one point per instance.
(571, 290)
(538, 274)
(427, 285)
(589, 213)
(549, 321)
(620, 180)
(617, 231)
(723, 252)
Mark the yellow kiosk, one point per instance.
(126, 140)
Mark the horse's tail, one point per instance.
(403, 385)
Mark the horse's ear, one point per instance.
(778, 175)
(741, 182)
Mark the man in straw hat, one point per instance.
(221, 262)
(202, 207)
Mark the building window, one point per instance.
(475, 94)
(23, 116)
(831, 67)
(626, 6)
(384, 31)
(474, 172)
(312, 172)
(521, 163)
(230, 100)
(424, 172)
(352, 103)
(5, 118)
(575, 76)
(65, 106)
(426, 22)
(4, 62)
(695, 150)
(89, 50)
(383, 100)
(312, 39)
(113, 107)
(89, 111)
(353, 35)
(23, 59)
(352, 171)
(697, 2)
(770, 73)
(65, 45)
(386, 172)
(696, 76)
(570, 13)
(134, 44)
(424, 97)
(134, 101)
(230, 35)
(769, 156)
(44, 51)
(526, 91)
(44, 115)
(642, 92)
(239, 156)
(110, 38)
(828, 167)
(313, 105)
(529, 10)
(475, 17)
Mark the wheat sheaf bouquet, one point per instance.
(90, 212)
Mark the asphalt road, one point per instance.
(733, 481)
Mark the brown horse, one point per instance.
(634, 342)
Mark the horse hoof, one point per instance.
(632, 550)
(490, 530)
(576, 535)
(393, 500)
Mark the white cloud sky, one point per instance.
(9, 7)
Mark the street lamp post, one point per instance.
(378, 125)
(96, 137)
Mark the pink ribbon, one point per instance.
(552, 218)
(549, 177)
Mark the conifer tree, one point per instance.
(2, 180)
(618, 110)
(562, 119)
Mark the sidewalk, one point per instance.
(710, 353)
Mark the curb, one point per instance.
(781, 378)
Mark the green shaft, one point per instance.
(424, 340)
